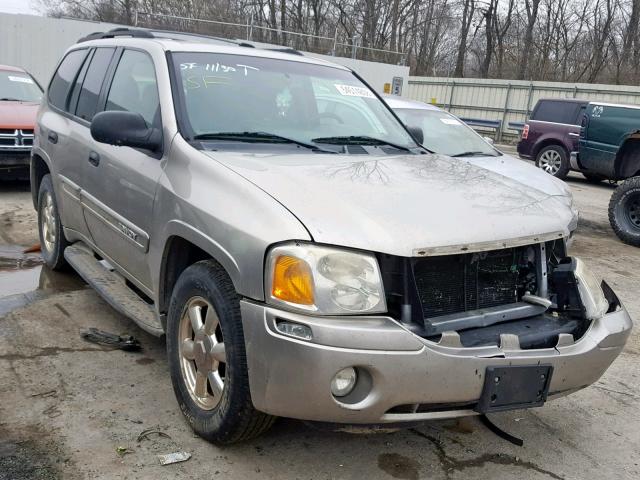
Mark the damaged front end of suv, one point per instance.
(439, 336)
(451, 328)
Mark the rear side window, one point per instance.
(88, 99)
(64, 76)
(134, 87)
(556, 111)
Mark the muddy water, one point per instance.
(24, 278)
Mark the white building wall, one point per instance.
(37, 43)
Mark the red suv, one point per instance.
(552, 133)
(20, 97)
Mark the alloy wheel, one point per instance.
(202, 353)
(551, 162)
(48, 220)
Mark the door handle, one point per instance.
(52, 136)
(94, 159)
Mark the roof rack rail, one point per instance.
(290, 50)
(118, 32)
(167, 34)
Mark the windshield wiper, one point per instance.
(359, 140)
(8, 99)
(472, 153)
(258, 137)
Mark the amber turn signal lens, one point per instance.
(292, 281)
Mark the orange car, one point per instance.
(20, 97)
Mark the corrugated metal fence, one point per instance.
(508, 100)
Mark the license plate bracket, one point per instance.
(514, 386)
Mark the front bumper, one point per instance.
(18, 159)
(291, 378)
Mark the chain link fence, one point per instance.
(252, 31)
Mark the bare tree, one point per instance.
(468, 10)
(531, 7)
(562, 40)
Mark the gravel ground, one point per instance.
(67, 406)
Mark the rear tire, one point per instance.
(207, 357)
(624, 211)
(52, 239)
(593, 177)
(554, 160)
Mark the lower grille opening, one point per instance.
(430, 407)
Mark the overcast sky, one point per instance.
(19, 6)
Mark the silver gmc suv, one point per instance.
(302, 254)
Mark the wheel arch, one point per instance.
(546, 142)
(627, 161)
(183, 247)
(38, 169)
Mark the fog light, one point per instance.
(296, 330)
(343, 382)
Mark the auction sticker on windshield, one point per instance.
(353, 91)
(20, 79)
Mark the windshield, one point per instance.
(305, 103)
(18, 86)
(444, 133)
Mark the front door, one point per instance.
(119, 193)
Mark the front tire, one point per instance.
(207, 357)
(624, 211)
(52, 239)
(554, 160)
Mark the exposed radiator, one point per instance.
(459, 283)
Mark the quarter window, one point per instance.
(134, 87)
(556, 111)
(88, 99)
(64, 76)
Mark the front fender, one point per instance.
(178, 228)
(628, 156)
(34, 172)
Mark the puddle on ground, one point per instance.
(25, 278)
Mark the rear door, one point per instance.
(56, 126)
(121, 181)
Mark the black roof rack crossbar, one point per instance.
(118, 32)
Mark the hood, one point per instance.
(18, 114)
(404, 205)
(524, 172)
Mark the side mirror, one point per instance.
(489, 140)
(125, 129)
(417, 134)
